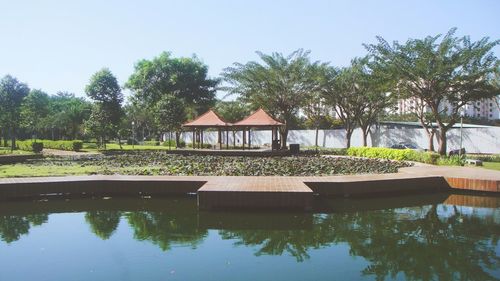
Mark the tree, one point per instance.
(315, 111)
(170, 115)
(67, 116)
(12, 94)
(106, 115)
(280, 84)
(143, 117)
(341, 92)
(373, 87)
(232, 111)
(35, 109)
(184, 78)
(453, 70)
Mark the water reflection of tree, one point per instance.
(417, 242)
(166, 228)
(103, 223)
(12, 226)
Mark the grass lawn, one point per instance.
(6, 151)
(24, 170)
(492, 165)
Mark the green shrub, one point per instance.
(454, 160)
(394, 154)
(152, 143)
(73, 145)
(181, 143)
(205, 145)
(29, 145)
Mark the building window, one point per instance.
(491, 115)
(491, 104)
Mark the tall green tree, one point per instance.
(439, 70)
(106, 115)
(170, 115)
(12, 94)
(35, 109)
(279, 84)
(184, 78)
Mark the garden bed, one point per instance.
(162, 163)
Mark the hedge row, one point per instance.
(29, 145)
(394, 154)
(72, 145)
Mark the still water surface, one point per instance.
(424, 237)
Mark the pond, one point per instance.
(420, 237)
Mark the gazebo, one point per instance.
(207, 120)
(260, 119)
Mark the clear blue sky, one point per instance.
(58, 45)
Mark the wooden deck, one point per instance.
(257, 192)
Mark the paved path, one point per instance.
(57, 152)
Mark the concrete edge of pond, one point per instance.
(274, 192)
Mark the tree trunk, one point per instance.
(5, 138)
(442, 142)
(348, 134)
(365, 131)
(316, 139)
(13, 138)
(177, 139)
(284, 136)
(430, 135)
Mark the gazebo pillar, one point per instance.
(244, 141)
(201, 139)
(249, 138)
(194, 138)
(227, 138)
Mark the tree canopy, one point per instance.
(439, 69)
(12, 94)
(106, 114)
(279, 84)
(184, 78)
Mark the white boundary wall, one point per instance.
(475, 140)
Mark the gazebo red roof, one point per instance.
(207, 119)
(259, 118)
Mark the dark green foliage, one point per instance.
(184, 78)
(34, 110)
(106, 114)
(12, 94)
